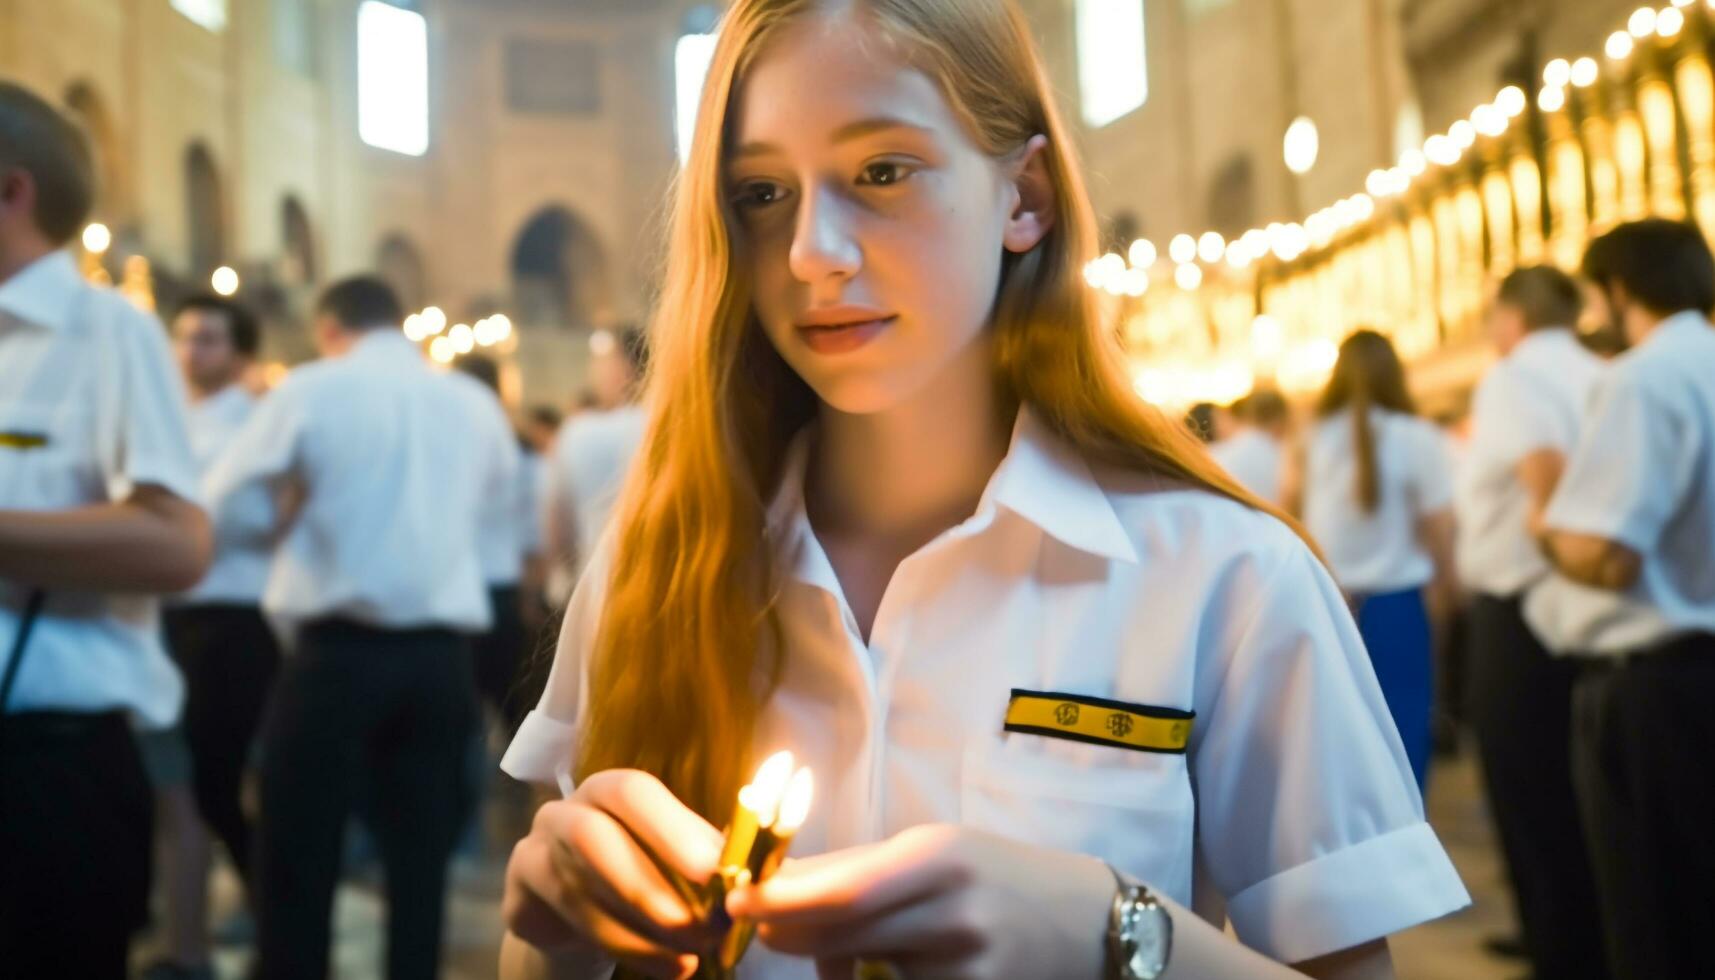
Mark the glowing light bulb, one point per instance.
(97, 238)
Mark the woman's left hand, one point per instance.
(939, 901)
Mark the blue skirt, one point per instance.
(1395, 628)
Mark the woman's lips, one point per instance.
(841, 338)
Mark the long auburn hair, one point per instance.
(688, 645)
(1368, 374)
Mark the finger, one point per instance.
(941, 926)
(851, 885)
(546, 909)
(599, 854)
(673, 832)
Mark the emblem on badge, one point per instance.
(1066, 714)
(1120, 724)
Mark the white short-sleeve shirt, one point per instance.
(1376, 551)
(585, 471)
(1530, 401)
(1253, 457)
(1294, 797)
(241, 556)
(397, 462)
(91, 406)
(1644, 476)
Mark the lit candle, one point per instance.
(766, 856)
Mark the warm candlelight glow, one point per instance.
(795, 805)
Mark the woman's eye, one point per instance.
(758, 194)
(884, 174)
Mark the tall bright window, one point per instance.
(1113, 75)
(209, 13)
(690, 68)
(392, 78)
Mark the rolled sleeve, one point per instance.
(1309, 818)
(541, 752)
(546, 743)
(1349, 897)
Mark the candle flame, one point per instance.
(764, 792)
(795, 805)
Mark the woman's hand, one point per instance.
(939, 901)
(588, 878)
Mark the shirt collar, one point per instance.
(1544, 338)
(41, 293)
(384, 342)
(1041, 479)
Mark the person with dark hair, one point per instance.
(96, 520)
(590, 459)
(541, 423)
(378, 576)
(1631, 532)
(223, 647)
(1377, 493)
(1252, 437)
(1200, 420)
(1524, 421)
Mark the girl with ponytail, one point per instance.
(1378, 496)
(899, 511)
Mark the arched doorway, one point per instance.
(399, 262)
(205, 211)
(297, 244)
(559, 271)
(89, 110)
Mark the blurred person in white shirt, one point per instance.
(97, 518)
(1524, 421)
(379, 579)
(1377, 494)
(1631, 532)
(1251, 444)
(590, 458)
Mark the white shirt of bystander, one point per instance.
(91, 406)
(1253, 457)
(585, 473)
(396, 462)
(1531, 400)
(1376, 552)
(1644, 476)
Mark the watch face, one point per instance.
(1149, 937)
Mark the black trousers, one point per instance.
(395, 709)
(500, 656)
(1642, 749)
(229, 657)
(76, 825)
(1520, 702)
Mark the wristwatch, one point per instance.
(1140, 933)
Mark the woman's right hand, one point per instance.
(589, 876)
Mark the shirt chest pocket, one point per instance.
(47, 457)
(1130, 808)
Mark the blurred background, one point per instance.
(1270, 175)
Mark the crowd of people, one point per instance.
(1557, 552)
(335, 590)
(349, 568)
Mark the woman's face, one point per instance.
(873, 224)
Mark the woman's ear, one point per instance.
(1033, 210)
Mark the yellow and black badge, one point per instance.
(1099, 721)
(23, 440)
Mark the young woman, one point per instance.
(1378, 496)
(899, 511)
